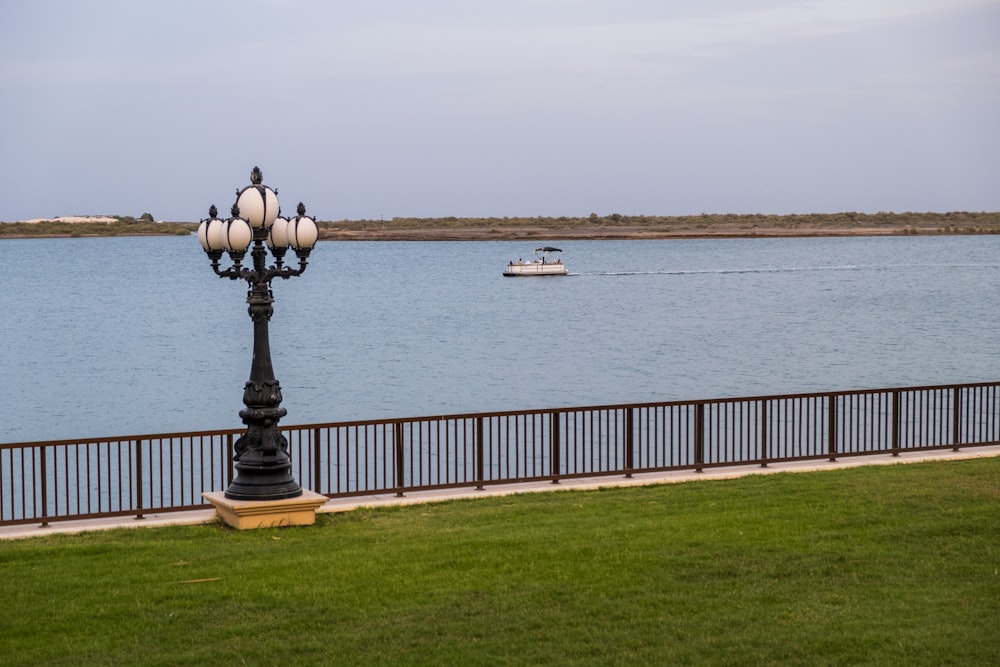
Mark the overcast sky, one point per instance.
(383, 108)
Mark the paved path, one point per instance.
(346, 504)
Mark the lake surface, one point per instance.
(125, 336)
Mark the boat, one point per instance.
(543, 265)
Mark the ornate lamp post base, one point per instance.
(263, 467)
(263, 482)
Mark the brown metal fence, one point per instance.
(137, 475)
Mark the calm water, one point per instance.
(129, 336)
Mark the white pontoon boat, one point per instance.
(544, 265)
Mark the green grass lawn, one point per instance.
(896, 565)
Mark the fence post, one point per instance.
(480, 466)
(45, 487)
(699, 436)
(897, 420)
(138, 480)
(956, 417)
(229, 460)
(397, 443)
(831, 427)
(554, 445)
(764, 444)
(317, 467)
(629, 442)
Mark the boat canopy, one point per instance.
(547, 249)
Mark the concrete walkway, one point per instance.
(346, 504)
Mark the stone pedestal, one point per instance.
(246, 514)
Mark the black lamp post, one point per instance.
(264, 468)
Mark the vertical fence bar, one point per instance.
(554, 459)
(897, 419)
(137, 476)
(480, 463)
(45, 487)
(699, 436)
(317, 481)
(229, 459)
(554, 446)
(956, 418)
(629, 441)
(831, 427)
(397, 442)
(764, 445)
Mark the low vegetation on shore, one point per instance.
(111, 226)
(617, 226)
(594, 226)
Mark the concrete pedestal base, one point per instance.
(246, 514)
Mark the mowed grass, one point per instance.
(896, 565)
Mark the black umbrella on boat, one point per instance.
(547, 249)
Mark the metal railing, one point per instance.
(137, 475)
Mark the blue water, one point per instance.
(126, 336)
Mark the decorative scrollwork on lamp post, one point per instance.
(263, 464)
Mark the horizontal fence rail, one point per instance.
(62, 480)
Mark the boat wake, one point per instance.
(695, 272)
(787, 269)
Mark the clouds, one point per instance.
(541, 107)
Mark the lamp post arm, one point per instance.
(286, 272)
(237, 272)
(234, 272)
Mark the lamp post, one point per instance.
(263, 465)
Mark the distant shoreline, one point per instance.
(562, 234)
(605, 234)
(592, 228)
(622, 227)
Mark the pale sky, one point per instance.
(382, 108)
